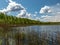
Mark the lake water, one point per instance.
(30, 35)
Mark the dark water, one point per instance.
(30, 35)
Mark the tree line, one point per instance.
(6, 19)
(13, 20)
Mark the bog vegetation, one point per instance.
(20, 37)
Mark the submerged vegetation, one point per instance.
(13, 36)
(15, 21)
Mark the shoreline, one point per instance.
(23, 25)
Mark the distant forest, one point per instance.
(15, 21)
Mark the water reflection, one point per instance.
(30, 35)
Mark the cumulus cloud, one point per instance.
(45, 16)
(54, 16)
(24, 14)
(12, 6)
(45, 9)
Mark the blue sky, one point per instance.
(35, 5)
(36, 9)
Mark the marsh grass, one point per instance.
(9, 36)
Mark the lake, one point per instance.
(30, 35)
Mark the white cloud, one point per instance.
(45, 9)
(54, 16)
(45, 16)
(12, 6)
(24, 14)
